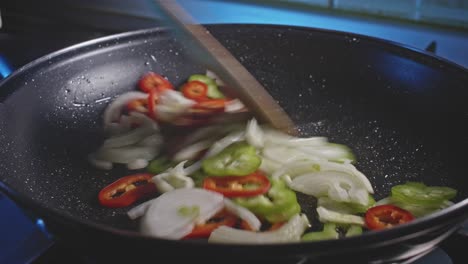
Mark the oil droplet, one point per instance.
(102, 100)
(78, 104)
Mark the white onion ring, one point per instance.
(114, 109)
(163, 219)
(128, 138)
(137, 164)
(190, 152)
(100, 164)
(126, 154)
(139, 210)
(223, 143)
(243, 213)
(254, 134)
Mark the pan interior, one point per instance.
(400, 111)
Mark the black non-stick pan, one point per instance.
(403, 113)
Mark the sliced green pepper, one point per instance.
(277, 205)
(238, 159)
(353, 230)
(328, 232)
(416, 193)
(418, 210)
(213, 91)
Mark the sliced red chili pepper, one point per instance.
(386, 216)
(152, 101)
(154, 81)
(213, 105)
(195, 90)
(238, 186)
(127, 190)
(223, 217)
(245, 226)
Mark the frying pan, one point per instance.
(401, 111)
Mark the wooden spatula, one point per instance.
(218, 59)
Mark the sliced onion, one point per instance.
(203, 133)
(139, 210)
(172, 104)
(129, 138)
(223, 143)
(333, 205)
(347, 168)
(168, 113)
(296, 168)
(137, 164)
(336, 185)
(193, 168)
(191, 152)
(175, 98)
(283, 155)
(332, 152)
(243, 213)
(326, 215)
(161, 184)
(143, 119)
(234, 106)
(173, 178)
(114, 109)
(269, 166)
(126, 154)
(386, 200)
(100, 164)
(254, 134)
(164, 220)
(122, 126)
(289, 232)
(276, 137)
(152, 141)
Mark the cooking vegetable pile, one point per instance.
(203, 174)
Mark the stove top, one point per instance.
(25, 241)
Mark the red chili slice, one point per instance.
(386, 216)
(212, 105)
(154, 81)
(223, 217)
(238, 186)
(127, 190)
(195, 90)
(152, 101)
